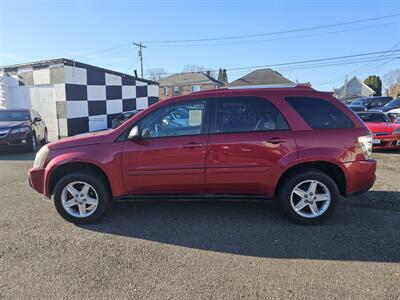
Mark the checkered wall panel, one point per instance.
(95, 97)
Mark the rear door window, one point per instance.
(247, 114)
(319, 113)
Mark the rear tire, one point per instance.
(82, 197)
(309, 197)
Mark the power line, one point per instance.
(273, 33)
(104, 51)
(301, 62)
(273, 39)
(363, 67)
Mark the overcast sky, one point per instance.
(100, 33)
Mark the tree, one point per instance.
(224, 76)
(220, 75)
(375, 83)
(390, 80)
(156, 74)
(197, 68)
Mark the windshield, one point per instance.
(393, 103)
(359, 102)
(374, 117)
(14, 115)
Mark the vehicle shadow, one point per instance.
(17, 154)
(258, 229)
(378, 199)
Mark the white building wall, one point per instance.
(74, 98)
(43, 99)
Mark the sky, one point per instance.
(102, 32)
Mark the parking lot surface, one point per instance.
(197, 250)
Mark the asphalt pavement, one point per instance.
(199, 250)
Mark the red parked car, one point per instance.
(294, 144)
(385, 133)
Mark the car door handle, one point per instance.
(276, 140)
(193, 145)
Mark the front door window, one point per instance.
(175, 120)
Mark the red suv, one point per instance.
(294, 144)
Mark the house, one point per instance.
(186, 83)
(73, 97)
(353, 89)
(261, 77)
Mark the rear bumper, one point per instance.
(360, 176)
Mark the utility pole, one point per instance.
(140, 46)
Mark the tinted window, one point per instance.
(376, 102)
(175, 120)
(359, 102)
(320, 113)
(248, 114)
(372, 117)
(393, 103)
(14, 115)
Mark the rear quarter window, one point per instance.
(319, 113)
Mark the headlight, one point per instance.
(21, 129)
(366, 145)
(397, 131)
(41, 157)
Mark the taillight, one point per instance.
(366, 145)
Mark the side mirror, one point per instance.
(36, 119)
(134, 134)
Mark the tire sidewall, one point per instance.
(96, 182)
(291, 183)
(45, 138)
(33, 145)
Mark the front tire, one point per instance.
(33, 144)
(309, 197)
(82, 197)
(45, 137)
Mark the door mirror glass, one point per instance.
(134, 134)
(36, 119)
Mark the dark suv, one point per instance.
(21, 128)
(298, 146)
(364, 104)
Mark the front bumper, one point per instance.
(391, 141)
(15, 140)
(36, 179)
(360, 176)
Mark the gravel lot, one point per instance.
(197, 250)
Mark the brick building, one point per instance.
(186, 83)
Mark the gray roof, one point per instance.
(188, 78)
(70, 62)
(261, 77)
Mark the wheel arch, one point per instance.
(63, 169)
(329, 168)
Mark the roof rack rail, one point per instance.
(267, 86)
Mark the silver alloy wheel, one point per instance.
(79, 199)
(310, 198)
